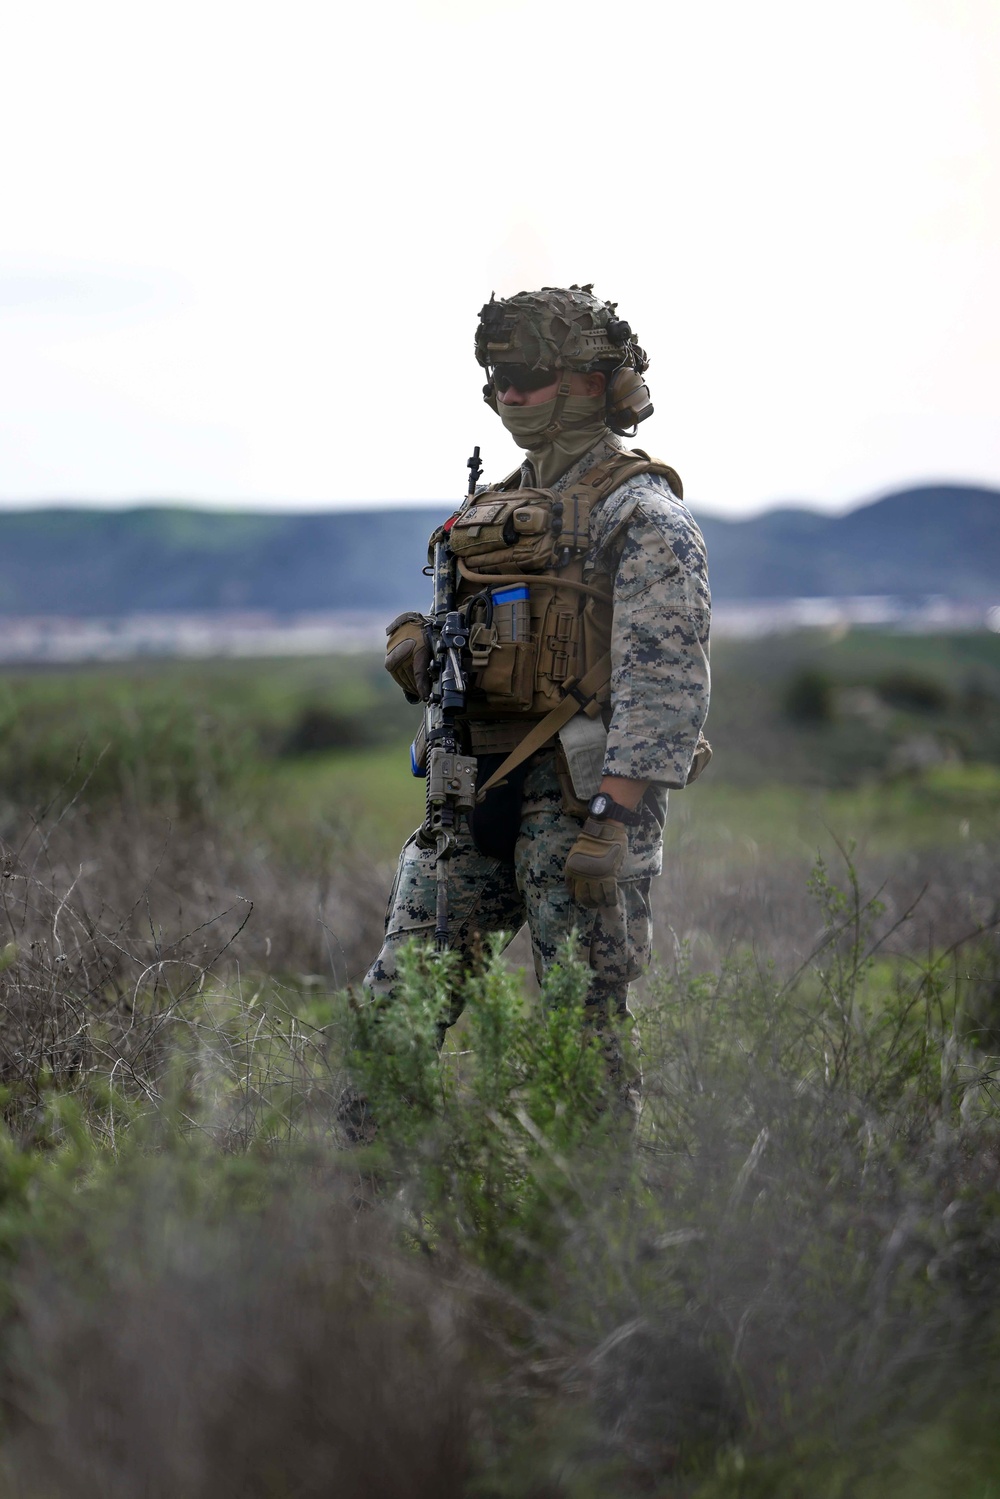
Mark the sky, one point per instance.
(243, 246)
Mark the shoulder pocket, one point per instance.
(649, 565)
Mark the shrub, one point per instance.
(912, 692)
(490, 1140)
(317, 730)
(809, 697)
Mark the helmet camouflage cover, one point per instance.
(556, 328)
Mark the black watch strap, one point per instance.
(605, 809)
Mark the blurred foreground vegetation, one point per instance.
(785, 1286)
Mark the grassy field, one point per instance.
(944, 806)
(784, 1287)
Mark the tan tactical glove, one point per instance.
(593, 862)
(408, 656)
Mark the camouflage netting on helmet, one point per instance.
(555, 328)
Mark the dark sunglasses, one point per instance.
(506, 375)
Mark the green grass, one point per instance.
(266, 693)
(950, 806)
(864, 654)
(180, 734)
(370, 793)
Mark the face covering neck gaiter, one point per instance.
(584, 416)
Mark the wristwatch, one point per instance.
(604, 809)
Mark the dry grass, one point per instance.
(113, 925)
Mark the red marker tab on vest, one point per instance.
(450, 522)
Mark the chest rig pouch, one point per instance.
(535, 626)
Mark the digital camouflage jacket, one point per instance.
(660, 677)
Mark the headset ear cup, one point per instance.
(628, 401)
(490, 395)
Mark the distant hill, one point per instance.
(942, 539)
(84, 562)
(104, 562)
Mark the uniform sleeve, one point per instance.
(660, 676)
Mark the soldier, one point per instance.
(582, 575)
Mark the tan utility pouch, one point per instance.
(507, 679)
(584, 741)
(512, 532)
(574, 805)
(503, 649)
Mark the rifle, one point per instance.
(451, 776)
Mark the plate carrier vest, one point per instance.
(536, 628)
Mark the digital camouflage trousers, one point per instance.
(487, 895)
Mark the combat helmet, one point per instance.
(566, 328)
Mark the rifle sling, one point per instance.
(580, 697)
